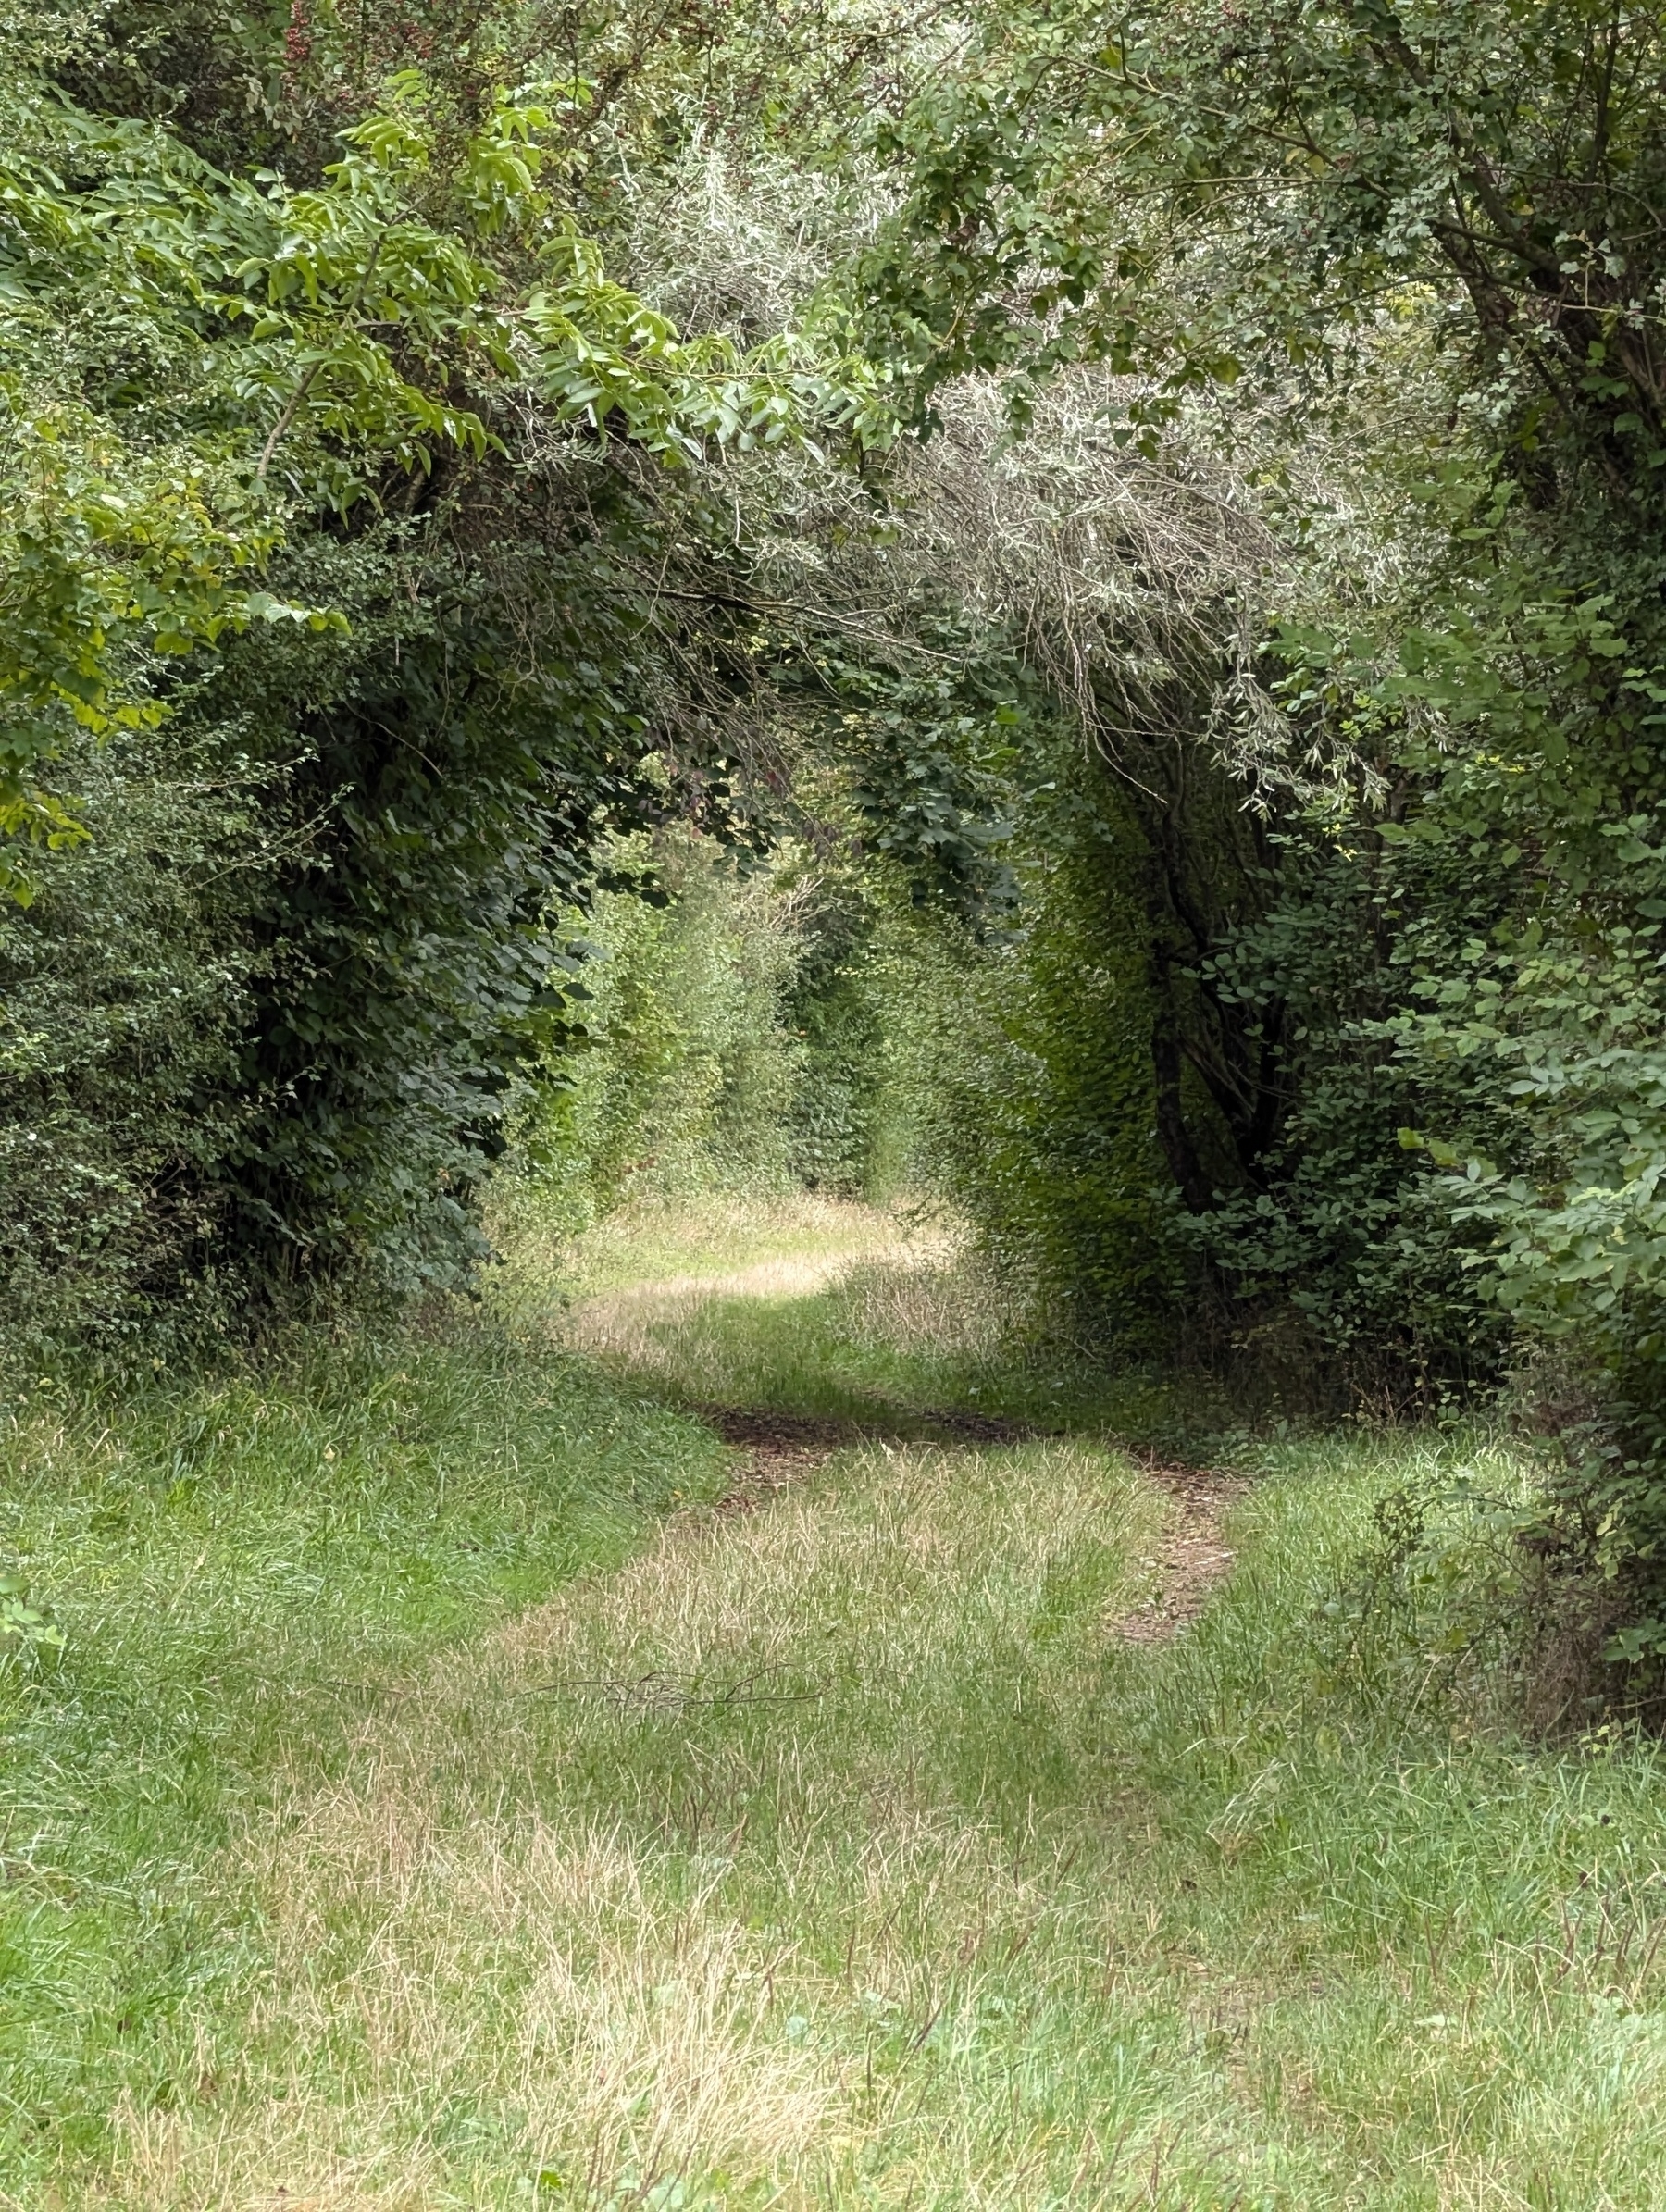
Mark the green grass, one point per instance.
(857, 1318)
(449, 1823)
(244, 1566)
(652, 1239)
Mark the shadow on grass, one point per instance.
(889, 1352)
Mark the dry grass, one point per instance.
(647, 1883)
(629, 1326)
(652, 1240)
(933, 1300)
(537, 1976)
(845, 1853)
(850, 1312)
(899, 1293)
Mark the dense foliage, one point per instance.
(1139, 535)
(1422, 245)
(343, 490)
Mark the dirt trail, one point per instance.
(782, 1448)
(1192, 1558)
(1189, 1560)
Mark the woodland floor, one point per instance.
(720, 1729)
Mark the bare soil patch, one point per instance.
(781, 1448)
(1193, 1558)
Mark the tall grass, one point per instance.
(243, 1567)
(454, 1832)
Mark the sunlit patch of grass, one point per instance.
(653, 1239)
(860, 1321)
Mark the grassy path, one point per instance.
(523, 1800)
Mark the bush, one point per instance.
(685, 1074)
(129, 986)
